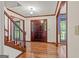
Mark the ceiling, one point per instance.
(38, 7)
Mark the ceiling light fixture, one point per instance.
(31, 7)
(31, 11)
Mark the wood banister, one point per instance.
(22, 30)
(13, 21)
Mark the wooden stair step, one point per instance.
(12, 44)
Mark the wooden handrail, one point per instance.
(13, 21)
(24, 33)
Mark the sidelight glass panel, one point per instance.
(63, 28)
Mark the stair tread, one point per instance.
(12, 44)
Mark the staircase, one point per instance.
(19, 44)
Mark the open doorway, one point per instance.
(62, 30)
(39, 30)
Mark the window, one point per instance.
(62, 27)
(16, 31)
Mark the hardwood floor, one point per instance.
(39, 50)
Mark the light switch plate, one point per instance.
(77, 29)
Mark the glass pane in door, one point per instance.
(63, 28)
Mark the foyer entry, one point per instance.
(39, 30)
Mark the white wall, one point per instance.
(1, 27)
(73, 20)
(6, 25)
(51, 28)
